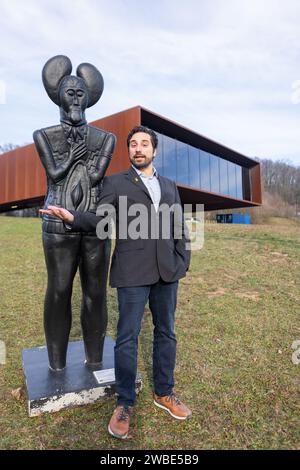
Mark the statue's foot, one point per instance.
(93, 365)
(56, 369)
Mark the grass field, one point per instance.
(237, 317)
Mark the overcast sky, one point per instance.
(228, 69)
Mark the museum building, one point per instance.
(206, 172)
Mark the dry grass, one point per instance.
(237, 316)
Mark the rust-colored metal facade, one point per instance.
(23, 180)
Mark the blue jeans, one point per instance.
(162, 298)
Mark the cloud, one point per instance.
(224, 69)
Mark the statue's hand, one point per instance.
(59, 212)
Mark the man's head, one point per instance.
(142, 144)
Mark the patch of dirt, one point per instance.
(252, 295)
(277, 253)
(217, 293)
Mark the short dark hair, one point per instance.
(153, 136)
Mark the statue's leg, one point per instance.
(93, 268)
(61, 255)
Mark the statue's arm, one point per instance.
(55, 172)
(103, 160)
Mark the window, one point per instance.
(159, 160)
(182, 163)
(204, 170)
(239, 182)
(224, 177)
(194, 167)
(231, 179)
(169, 158)
(214, 174)
(246, 184)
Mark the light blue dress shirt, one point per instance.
(152, 184)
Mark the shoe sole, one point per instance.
(118, 436)
(181, 418)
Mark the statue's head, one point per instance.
(73, 94)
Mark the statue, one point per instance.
(75, 157)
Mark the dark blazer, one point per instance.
(142, 261)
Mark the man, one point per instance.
(143, 269)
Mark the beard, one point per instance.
(143, 164)
(75, 115)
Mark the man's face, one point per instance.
(141, 152)
(73, 98)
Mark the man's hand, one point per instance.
(58, 212)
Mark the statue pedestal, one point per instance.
(49, 391)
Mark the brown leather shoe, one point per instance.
(173, 405)
(119, 422)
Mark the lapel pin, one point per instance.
(136, 179)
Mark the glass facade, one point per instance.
(191, 166)
(214, 174)
(182, 160)
(239, 183)
(204, 170)
(231, 179)
(224, 189)
(194, 167)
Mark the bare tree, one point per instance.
(282, 178)
(7, 147)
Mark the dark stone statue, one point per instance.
(75, 157)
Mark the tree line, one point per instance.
(8, 147)
(281, 178)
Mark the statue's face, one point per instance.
(73, 98)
